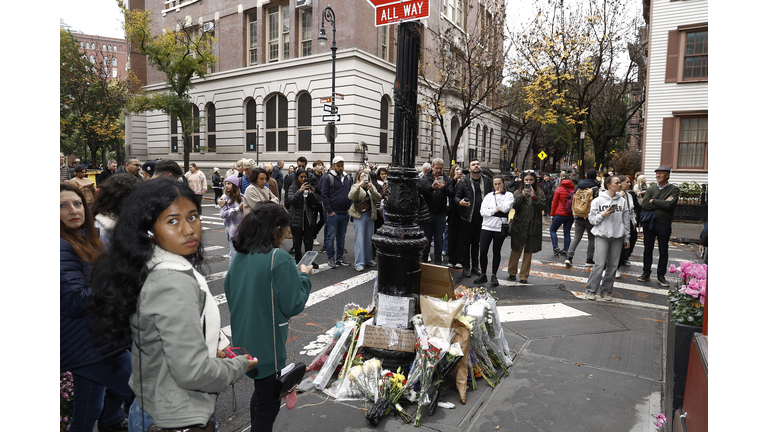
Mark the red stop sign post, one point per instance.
(391, 12)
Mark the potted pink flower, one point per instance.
(689, 294)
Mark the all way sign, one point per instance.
(388, 12)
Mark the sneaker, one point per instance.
(512, 277)
(523, 281)
(466, 273)
(557, 251)
(332, 264)
(481, 279)
(662, 281)
(322, 249)
(568, 263)
(292, 251)
(590, 296)
(645, 277)
(445, 253)
(359, 268)
(371, 264)
(618, 275)
(606, 297)
(626, 263)
(343, 261)
(494, 281)
(589, 264)
(450, 265)
(316, 243)
(476, 271)
(315, 265)
(458, 265)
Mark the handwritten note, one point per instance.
(393, 311)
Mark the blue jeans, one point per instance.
(363, 233)
(445, 240)
(91, 383)
(139, 420)
(337, 229)
(232, 251)
(434, 232)
(566, 222)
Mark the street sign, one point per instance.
(542, 155)
(332, 118)
(388, 12)
(330, 131)
(325, 100)
(330, 108)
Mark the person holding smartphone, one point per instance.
(365, 199)
(304, 205)
(432, 187)
(526, 226)
(610, 219)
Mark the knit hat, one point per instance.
(149, 167)
(234, 179)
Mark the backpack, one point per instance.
(582, 202)
(569, 204)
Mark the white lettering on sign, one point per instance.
(388, 14)
(410, 9)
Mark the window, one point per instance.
(477, 138)
(277, 123)
(306, 32)
(114, 73)
(687, 54)
(103, 47)
(485, 135)
(196, 128)
(279, 38)
(114, 61)
(174, 135)
(252, 32)
(384, 125)
(210, 123)
(454, 11)
(490, 145)
(92, 58)
(304, 124)
(81, 44)
(109, 48)
(684, 139)
(251, 130)
(385, 42)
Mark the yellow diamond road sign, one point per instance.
(542, 155)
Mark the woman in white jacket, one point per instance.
(610, 217)
(494, 210)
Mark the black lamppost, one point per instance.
(330, 16)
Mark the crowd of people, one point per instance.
(132, 268)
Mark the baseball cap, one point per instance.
(149, 167)
(337, 159)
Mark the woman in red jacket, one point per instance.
(561, 217)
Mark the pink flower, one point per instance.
(691, 291)
(702, 299)
(673, 269)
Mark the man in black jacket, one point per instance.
(432, 187)
(469, 196)
(548, 186)
(582, 224)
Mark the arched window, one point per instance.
(103, 47)
(114, 48)
(114, 61)
(196, 129)
(109, 48)
(92, 58)
(210, 124)
(490, 145)
(304, 123)
(250, 125)
(277, 123)
(485, 135)
(383, 125)
(174, 134)
(81, 44)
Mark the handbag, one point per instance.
(284, 384)
(504, 223)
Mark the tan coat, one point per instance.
(356, 194)
(254, 194)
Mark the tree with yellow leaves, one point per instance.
(573, 54)
(181, 54)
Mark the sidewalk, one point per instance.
(600, 369)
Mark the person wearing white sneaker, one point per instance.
(609, 215)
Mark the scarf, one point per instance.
(162, 259)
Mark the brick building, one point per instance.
(264, 95)
(111, 52)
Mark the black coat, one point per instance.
(464, 190)
(217, 181)
(436, 199)
(300, 206)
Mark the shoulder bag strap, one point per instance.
(274, 324)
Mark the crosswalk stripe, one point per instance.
(211, 248)
(589, 269)
(315, 297)
(206, 221)
(621, 285)
(583, 296)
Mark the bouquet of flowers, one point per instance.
(67, 405)
(353, 312)
(689, 294)
(367, 378)
(429, 351)
(393, 385)
(479, 362)
(322, 357)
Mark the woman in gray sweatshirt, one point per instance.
(610, 217)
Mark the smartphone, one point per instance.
(365, 177)
(613, 207)
(527, 186)
(237, 351)
(307, 259)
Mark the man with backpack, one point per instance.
(586, 190)
(334, 191)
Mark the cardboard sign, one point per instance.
(393, 311)
(436, 281)
(389, 338)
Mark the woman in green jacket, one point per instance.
(530, 201)
(264, 291)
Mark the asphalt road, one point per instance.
(309, 331)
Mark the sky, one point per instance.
(93, 17)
